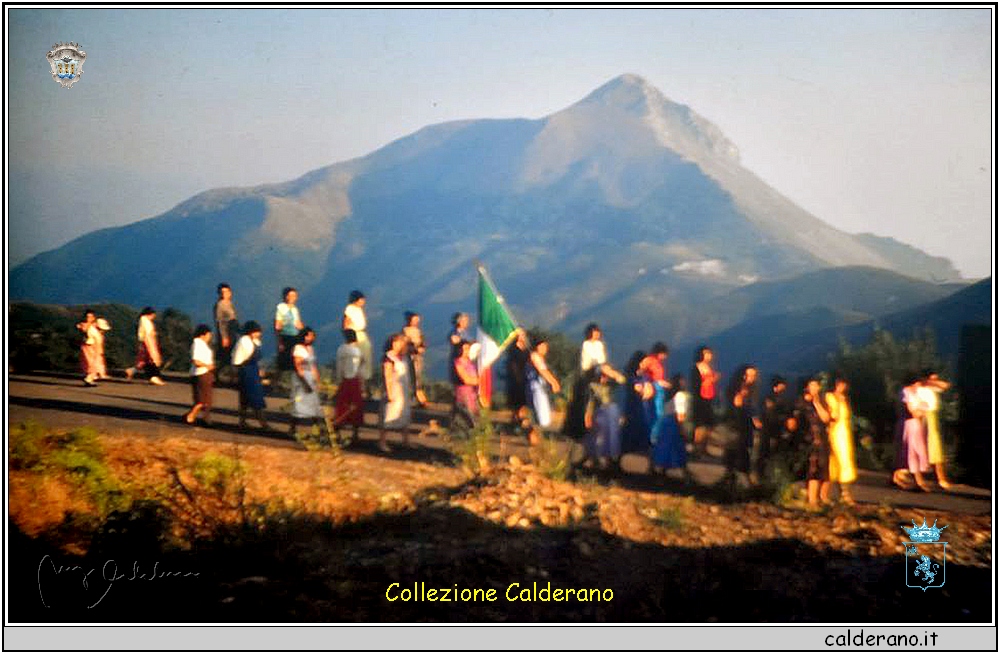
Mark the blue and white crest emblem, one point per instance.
(925, 556)
(66, 61)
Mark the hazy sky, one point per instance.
(873, 120)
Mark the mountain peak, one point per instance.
(629, 91)
(674, 125)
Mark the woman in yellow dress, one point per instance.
(842, 468)
(930, 392)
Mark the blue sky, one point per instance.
(873, 120)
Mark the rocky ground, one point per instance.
(272, 530)
(350, 525)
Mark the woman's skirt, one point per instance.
(915, 445)
(668, 449)
(285, 346)
(702, 412)
(466, 399)
(935, 449)
(92, 361)
(604, 438)
(144, 361)
(417, 371)
(201, 389)
(842, 468)
(517, 393)
(638, 423)
(738, 451)
(818, 467)
(541, 406)
(305, 398)
(349, 403)
(575, 426)
(396, 414)
(251, 389)
(365, 345)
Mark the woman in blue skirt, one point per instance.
(667, 443)
(246, 358)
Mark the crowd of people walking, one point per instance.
(643, 409)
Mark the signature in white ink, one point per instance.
(109, 575)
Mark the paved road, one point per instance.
(135, 407)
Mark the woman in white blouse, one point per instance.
(354, 318)
(202, 374)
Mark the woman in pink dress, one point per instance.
(92, 347)
(466, 395)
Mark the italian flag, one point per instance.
(495, 330)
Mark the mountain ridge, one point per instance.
(582, 209)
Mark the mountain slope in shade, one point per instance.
(798, 341)
(806, 303)
(624, 199)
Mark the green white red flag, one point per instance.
(495, 330)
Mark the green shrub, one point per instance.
(218, 473)
(76, 455)
(27, 448)
(549, 459)
(669, 517)
(474, 447)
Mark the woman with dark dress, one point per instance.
(638, 409)
(745, 418)
(246, 358)
(812, 419)
(517, 383)
(704, 381)
(593, 354)
(776, 413)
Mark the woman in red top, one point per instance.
(704, 380)
(654, 367)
